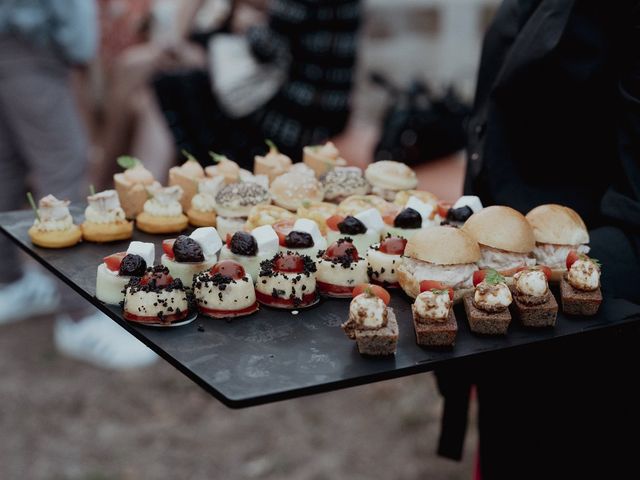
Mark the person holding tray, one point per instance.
(557, 120)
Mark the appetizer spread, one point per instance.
(322, 158)
(202, 212)
(225, 291)
(488, 306)
(234, 203)
(383, 259)
(105, 220)
(433, 318)
(371, 322)
(251, 249)
(340, 269)
(557, 231)
(533, 304)
(441, 254)
(132, 185)
(116, 270)
(53, 226)
(580, 287)
(505, 237)
(156, 298)
(186, 256)
(163, 212)
(288, 280)
(187, 176)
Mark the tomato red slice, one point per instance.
(283, 228)
(113, 261)
(167, 247)
(292, 263)
(333, 221)
(572, 256)
(478, 277)
(339, 249)
(377, 290)
(393, 245)
(229, 268)
(443, 208)
(544, 268)
(162, 279)
(428, 285)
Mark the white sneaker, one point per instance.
(100, 341)
(34, 294)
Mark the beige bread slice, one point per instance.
(483, 322)
(578, 302)
(381, 341)
(536, 316)
(435, 334)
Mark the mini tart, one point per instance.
(287, 290)
(383, 267)
(152, 304)
(201, 219)
(186, 270)
(56, 238)
(161, 224)
(110, 285)
(361, 241)
(337, 277)
(219, 296)
(251, 263)
(106, 232)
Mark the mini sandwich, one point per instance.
(53, 226)
(442, 254)
(557, 231)
(187, 175)
(234, 203)
(433, 318)
(187, 256)
(322, 158)
(105, 220)
(293, 188)
(533, 304)
(163, 212)
(580, 292)
(117, 269)
(132, 185)
(273, 164)
(342, 182)
(488, 306)
(387, 178)
(505, 238)
(225, 291)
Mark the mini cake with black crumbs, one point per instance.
(340, 268)
(225, 291)
(288, 281)
(156, 298)
(383, 259)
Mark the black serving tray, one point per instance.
(275, 355)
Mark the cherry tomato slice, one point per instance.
(336, 250)
(427, 285)
(377, 290)
(289, 263)
(333, 221)
(393, 245)
(229, 268)
(443, 208)
(283, 228)
(113, 261)
(546, 270)
(162, 279)
(572, 256)
(167, 247)
(478, 277)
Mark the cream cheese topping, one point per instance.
(433, 306)
(237, 295)
(204, 202)
(531, 282)
(54, 215)
(584, 275)
(165, 201)
(337, 274)
(368, 312)
(284, 285)
(494, 297)
(138, 174)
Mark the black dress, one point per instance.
(557, 120)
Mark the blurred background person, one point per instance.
(44, 146)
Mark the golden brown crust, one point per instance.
(57, 238)
(106, 232)
(153, 224)
(292, 189)
(557, 224)
(443, 246)
(402, 197)
(391, 175)
(501, 227)
(201, 219)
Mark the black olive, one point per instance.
(133, 265)
(408, 218)
(460, 214)
(351, 226)
(186, 249)
(298, 240)
(243, 243)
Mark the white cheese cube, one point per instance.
(371, 219)
(208, 239)
(470, 201)
(309, 226)
(424, 209)
(146, 250)
(267, 239)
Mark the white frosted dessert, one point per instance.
(305, 238)
(251, 249)
(288, 281)
(383, 259)
(226, 291)
(188, 256)
(340, 269)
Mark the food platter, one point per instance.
(274, 354)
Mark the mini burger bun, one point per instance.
(557, 224)
(292, 189)
(501, 227)
(390, 175)
(443, 246)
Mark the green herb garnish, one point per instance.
(92, 189)
(128, 162)
(32, 202)
(306, 203)
(595, 261)
(492, 277)
(188, 156)
(271, 145)
(216, 157)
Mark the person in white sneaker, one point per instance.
(42, 137)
